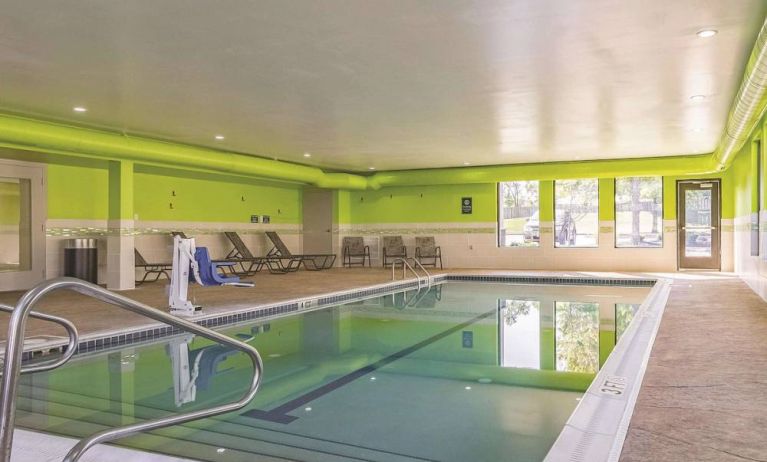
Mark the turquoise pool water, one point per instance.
(468, 372)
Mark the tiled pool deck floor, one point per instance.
(704, 395)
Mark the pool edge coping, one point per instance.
(583, 438)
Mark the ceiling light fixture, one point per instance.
(698, 97)
(79, 109)
(467, 163)
(697, 130)
(371, 168)
(219, 137)
(706, 33)
(306, 154)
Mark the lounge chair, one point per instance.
(393, 248)
(312, 262)
(242, 255)
(427, 252)
(156, 269)
(354, 247)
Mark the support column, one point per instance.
(120, 240)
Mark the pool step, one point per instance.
(213, 431)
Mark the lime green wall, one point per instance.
(204, 197)
(83, 192)
(414, 204)
(78, 192)
(743, 174)
(441, 203)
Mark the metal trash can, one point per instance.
(81, 259)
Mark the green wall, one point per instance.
(78, 192)
(418, 204)
(205, 197)
(441, 203)
(82, 192)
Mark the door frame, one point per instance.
(716, 235)
(37, 174)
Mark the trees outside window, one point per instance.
(639, 212)
(576, 213)
(518, 214)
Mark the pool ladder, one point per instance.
(14, 347)
(424, 282)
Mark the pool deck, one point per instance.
(702, 399)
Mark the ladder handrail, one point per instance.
(428, 275)
(14, 348)
(405, 264)
(74, 340)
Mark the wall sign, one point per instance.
(254, 218)
(266, 219)
(466, 205)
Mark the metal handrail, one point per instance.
(428, 274)
(74, 339)
(405, 265)
(13, 351)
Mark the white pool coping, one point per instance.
(596, 430)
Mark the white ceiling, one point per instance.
(393, 84)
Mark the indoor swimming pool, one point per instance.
(468, 371)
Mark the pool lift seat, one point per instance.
(194, 264)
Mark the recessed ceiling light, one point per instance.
(706, 33)
(371, 168)
(79, 109)
(219, 137)
(306, 154)
(698, 97)
(697, 130)
(467, 163)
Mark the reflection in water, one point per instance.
(521, 332)
(624, 314)
(577, 336)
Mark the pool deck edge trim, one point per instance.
(597, 428)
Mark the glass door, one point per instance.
(22, 239)
(698, 224)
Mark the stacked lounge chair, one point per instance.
(250, 264)
(150, 269)
(312, 262)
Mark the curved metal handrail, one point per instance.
(13, 350)
(74, 339)
(405, 265)
(428, 274)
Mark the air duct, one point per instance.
(748, 107)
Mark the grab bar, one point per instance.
(74, 339)
(428, 275)
(405, 265)
(13, 352)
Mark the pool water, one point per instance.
(465, 372)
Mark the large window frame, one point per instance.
(530, 234)
(660, 219)
(596, 232)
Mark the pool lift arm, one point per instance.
(183, 263)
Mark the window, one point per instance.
(576, 213)
(639, 212)
(577, 336)
(518, 217)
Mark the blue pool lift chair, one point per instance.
(208, 270)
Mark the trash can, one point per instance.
(81, 259)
